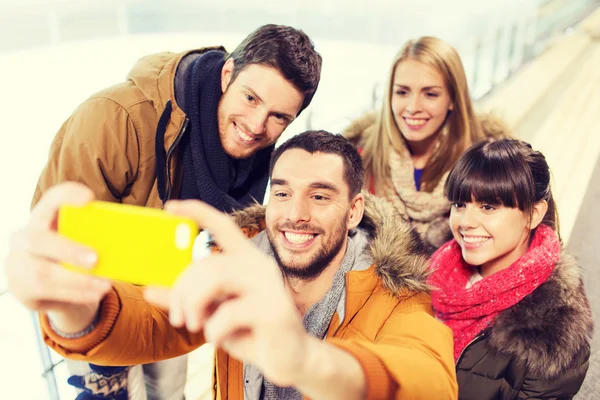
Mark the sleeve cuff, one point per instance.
(380, 384)
(79, 334)
(108, 313)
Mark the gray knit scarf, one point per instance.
(316, 322)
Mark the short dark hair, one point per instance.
(329, 143)
(504, 172)
(287, 49)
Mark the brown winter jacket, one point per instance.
(109, 142)
(388, 323)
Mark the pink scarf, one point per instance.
(469, 311)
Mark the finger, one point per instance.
(193, 290)
(175, 307)
(50, 245)
(158, 296)
(194, 312)
(230, 317)
(54, 306)
(57, 283)
(224, 231)
(203, 283)
(190, 288)
(239, 344)
(209, 282)
(33, 281)
(43, 215)
(76, 296)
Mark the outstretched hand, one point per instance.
(33, 264)
(238, 299)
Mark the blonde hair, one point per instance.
(460, 129)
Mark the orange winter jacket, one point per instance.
(388, 323)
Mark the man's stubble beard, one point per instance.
(312, 268)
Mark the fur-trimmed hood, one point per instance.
(550, 326)
(400, 258)
(491, 125)
(360, 128)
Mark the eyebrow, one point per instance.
(314, 185)
(425, 88)
(325, 185)
(248, 88)
(279, 182)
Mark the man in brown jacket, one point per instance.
(195, 125)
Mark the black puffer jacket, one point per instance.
(537, 349)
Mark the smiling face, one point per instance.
(420, 102)
(255, 108)
(310, 212)
(492, 237)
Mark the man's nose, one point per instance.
(257, 122)
(299, 211)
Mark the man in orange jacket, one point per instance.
(327, 300)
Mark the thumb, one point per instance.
(44, 214)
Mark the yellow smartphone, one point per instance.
(135, 244)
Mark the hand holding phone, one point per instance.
(134, 244)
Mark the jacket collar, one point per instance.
(399, 256)
(154, 76)
(548, 328)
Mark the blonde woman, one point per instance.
(427, 121)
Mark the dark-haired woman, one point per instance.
(513, 299)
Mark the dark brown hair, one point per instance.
(286, 49)
(326, 142)
(504, 172)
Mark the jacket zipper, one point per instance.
(481, 335)
(168, 160)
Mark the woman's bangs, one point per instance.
(483, 182)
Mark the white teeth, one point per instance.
(474, 239)
(243, 135)
(297, 238)
(415, 122)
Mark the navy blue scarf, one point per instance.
(209, 174)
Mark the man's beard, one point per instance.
(231, 149)
(309, 269)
